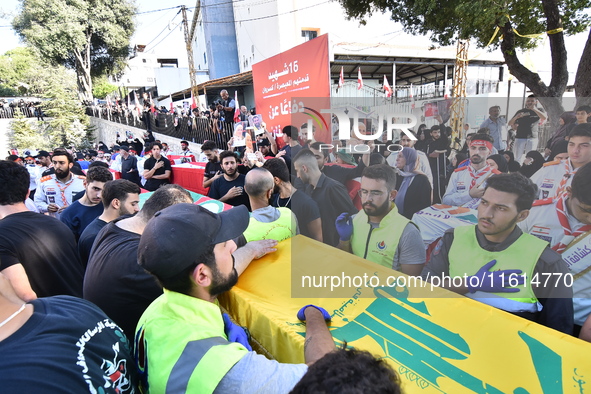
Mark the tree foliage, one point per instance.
(27, 134)
(17, 67)
(448, 20)
(89, 36)
(101, 88)
(67, 123)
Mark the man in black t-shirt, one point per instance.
(61, 344)
(119, 198)
(157, 169)
(213, 168)
(229, 188)
(228, 105)
(526, 121)
(331, 196)
(37, 252)
(113, 280)
(302, 205)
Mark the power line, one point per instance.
(165, 27)
(162, 9)
(271, 16)
(163, 38)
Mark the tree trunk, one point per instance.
(84, 79)
(550, 96)
(583, 78)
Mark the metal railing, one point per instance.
(174, 125)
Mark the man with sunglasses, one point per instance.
(378, 232)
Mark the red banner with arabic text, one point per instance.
(301, 72)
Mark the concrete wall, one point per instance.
(107, 132)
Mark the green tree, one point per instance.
(449, 20)
(27, 134)
(102, 88)
(16, 68)
(90, 37)
(67, 122)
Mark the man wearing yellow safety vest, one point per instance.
(266, 221)
(378, 232)
(495, 263)
(183, 342)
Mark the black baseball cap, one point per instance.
(125, 148)
(176, 236)
(42, 153)
(264, 142)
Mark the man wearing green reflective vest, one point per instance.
(183, 342)
(378, 232)
(495, 263)
(266, 221)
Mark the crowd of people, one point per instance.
(28, 108)
(132, 293)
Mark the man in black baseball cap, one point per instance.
(264, 146)
(183, 340)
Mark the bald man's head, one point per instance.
(258, 182)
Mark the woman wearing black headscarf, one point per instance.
(422, 137)
(559, 151)
(512, 165)
(497, 162)
(566, 124)
(533, 162)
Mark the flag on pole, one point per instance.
(359, 79)
(341, 78)
(171, 103)
(237, 109)
(193, 101)
(412, 98)
(152, 106)
(136, 103)
(387, 88)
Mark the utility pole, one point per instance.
(189, 34)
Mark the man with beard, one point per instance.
(157, 169)
(467, 183)
(500, 265)
(183, 341)
(331, 196)
(84, 210)
(119, 197)
(378, 232)
(229, 188)
(285, 195)
(213, 168)
(437, 149)
(55, 192)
